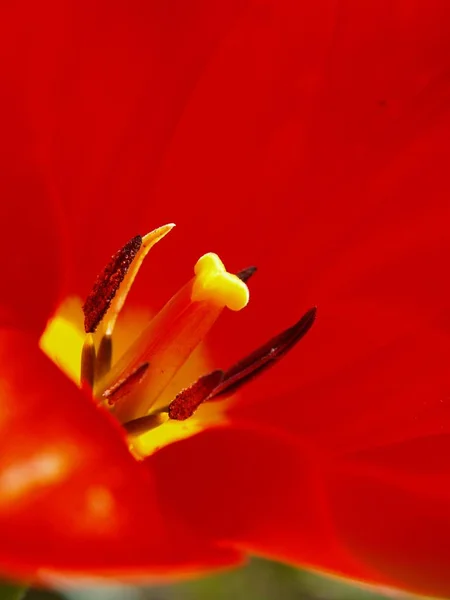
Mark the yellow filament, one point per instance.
(214, 284)
(88, 364)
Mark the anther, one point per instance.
(245, 274)
(148, 241)
(88, 364)
(120, 272)
(107, 284)
(186, 402)
(126, 385)
(265, 356)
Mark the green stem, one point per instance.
(9, 591)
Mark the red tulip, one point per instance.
(309, 138)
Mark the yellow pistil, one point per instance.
(214, 284)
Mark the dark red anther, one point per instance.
(107, 284)
(265, 356)
(245, 274)
(186, 402)
(124, 386)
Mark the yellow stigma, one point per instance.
(214, 284)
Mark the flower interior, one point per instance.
(137, 388)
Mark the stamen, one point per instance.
(120, 272)
(174, 333)
(186, 402)
(148, 241)
(145, 424)
(104, 357)
(264, 357)
(126, 385)
(88, 364)
(107, 284)
(245, 274)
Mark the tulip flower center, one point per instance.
(137, 388)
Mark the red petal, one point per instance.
(381, 302)
(322, 126)
(254, 491)
(72, 499)
(159, 111)
(382, 518)
(221, 102)
(390, 507)
(30, 248)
